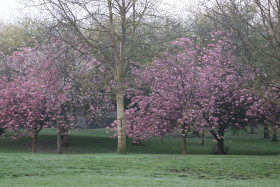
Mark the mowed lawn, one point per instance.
(91, 161)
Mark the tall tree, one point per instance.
(111, 29)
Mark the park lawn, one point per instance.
(91, 161)
(110, 169)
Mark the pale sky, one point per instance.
(11, 9)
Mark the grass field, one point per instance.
(91, 161)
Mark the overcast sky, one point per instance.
(11, 9)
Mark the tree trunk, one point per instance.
(265, 131)
(34, 141)
(119, 57)
(121, 125)
(58, 140)
(221, 149)
(184, 139)
(203, 137)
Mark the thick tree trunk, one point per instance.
(184, 139)
(221, 149)
(34, 141)
(265, 131)
(58, 140)
(121, 124)
(220, 141)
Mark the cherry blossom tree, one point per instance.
(43, 86)
(34, 92)
(265, 112)
(190, 87)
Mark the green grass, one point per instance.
(138, 170)
(91, 161)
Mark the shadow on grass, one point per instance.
(97, 141)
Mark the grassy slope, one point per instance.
(158, 163)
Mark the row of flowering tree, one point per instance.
(194, 87)
(190, 87)
(42, 86)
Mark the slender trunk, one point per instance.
(203, 137)
(58, 140)
(184, 139)
(265, 131)
(34, 141)
(119, 56)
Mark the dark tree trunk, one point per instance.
(58, 140)
(34, 141)
(265, 131)
(184, 139)
(221, 149)
(220, 141)
(203, 137)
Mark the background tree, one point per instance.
(256, 24)
(21, 33)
